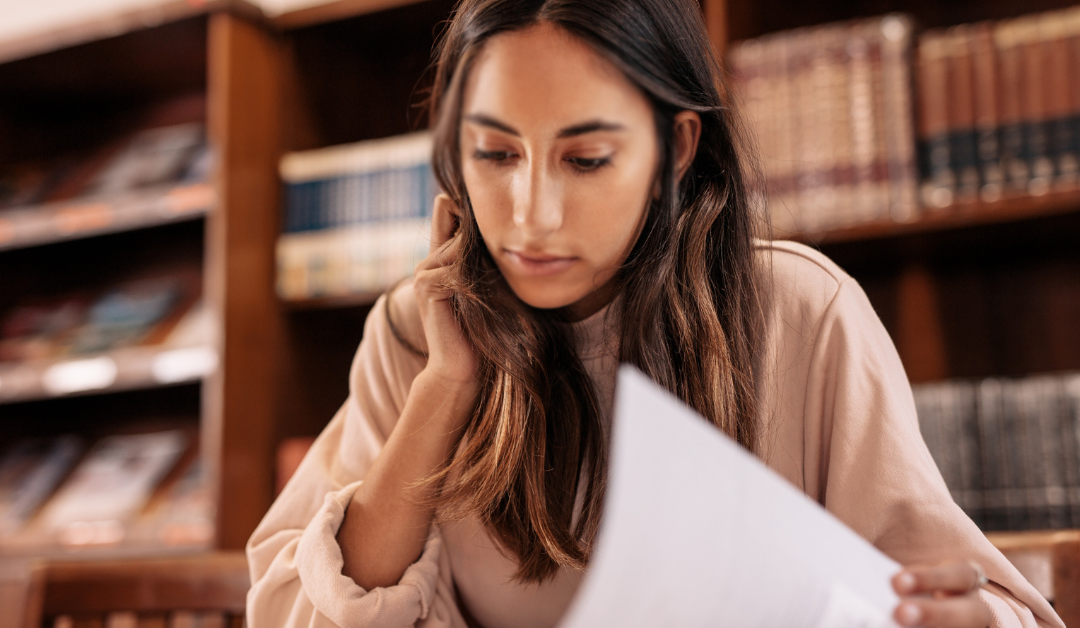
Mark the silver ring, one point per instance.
(980, 576)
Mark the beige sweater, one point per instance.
(839, 423)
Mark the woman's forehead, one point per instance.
(542, 78)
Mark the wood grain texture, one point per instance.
(1066, 568)
(244, 125)
(141, 591)
(715, 13)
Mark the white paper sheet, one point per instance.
(698, 532)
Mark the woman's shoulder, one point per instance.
(392, 351)
(799, 281)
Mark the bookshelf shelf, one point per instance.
(364, 299)
(129, 368)
(955, 217)
(81, 218)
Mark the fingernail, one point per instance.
(909, 614)
(905, 582)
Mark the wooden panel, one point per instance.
(716, 23)
(1005, 296)
(213, 582)
(919, 337)
(1066, 568)
(360, 78)
(244, 125)
(314, 380)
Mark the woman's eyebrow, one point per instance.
(591, 126)
(488, 121)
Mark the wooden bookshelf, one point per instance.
(79, 89)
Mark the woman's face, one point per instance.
(559, 152)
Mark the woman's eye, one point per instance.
(585, 164)
(492, 155)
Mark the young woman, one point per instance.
(601, 207)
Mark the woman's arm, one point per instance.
(387, 522)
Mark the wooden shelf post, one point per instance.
(245, 129)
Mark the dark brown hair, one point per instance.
(688, 307)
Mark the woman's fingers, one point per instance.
(951, 577)
(445, 216)
(964, 611)
(444, 256)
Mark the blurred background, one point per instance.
(201, 200)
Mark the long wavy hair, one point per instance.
(688, 299)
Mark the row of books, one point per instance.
(999, 108)
(56, 491)
(831, 108)
(1009, 449)
(154, 176)
(139, 311)
(175, 153)
(356, 217)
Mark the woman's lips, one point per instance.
(539, 265)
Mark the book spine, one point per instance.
(1072, 65)
(1070, 438)
(1010, 58)
(785, 211)
(1054, 28)
(863, 142)
(839, 204)
(971, 470)
(938, 177)
(992, 454)
(985, 90)
(1033, 106)
(899, 132)
(961, 111)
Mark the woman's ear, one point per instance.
(686, 136)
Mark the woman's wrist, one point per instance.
(450, 401)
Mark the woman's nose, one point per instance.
(538, 207)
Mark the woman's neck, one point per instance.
(592, 302)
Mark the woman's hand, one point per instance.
(941, 596)
(451, 358)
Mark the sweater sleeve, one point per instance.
(294, 558)
(876, 472)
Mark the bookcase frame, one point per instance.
(237, 228)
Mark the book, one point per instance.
(1008, 449)
(356, 217)
(29, 472)
(136, 311)
(110, 486)
(832, 112)
(862, 121)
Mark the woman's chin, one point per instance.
(545, 297)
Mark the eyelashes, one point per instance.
(579, 164)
